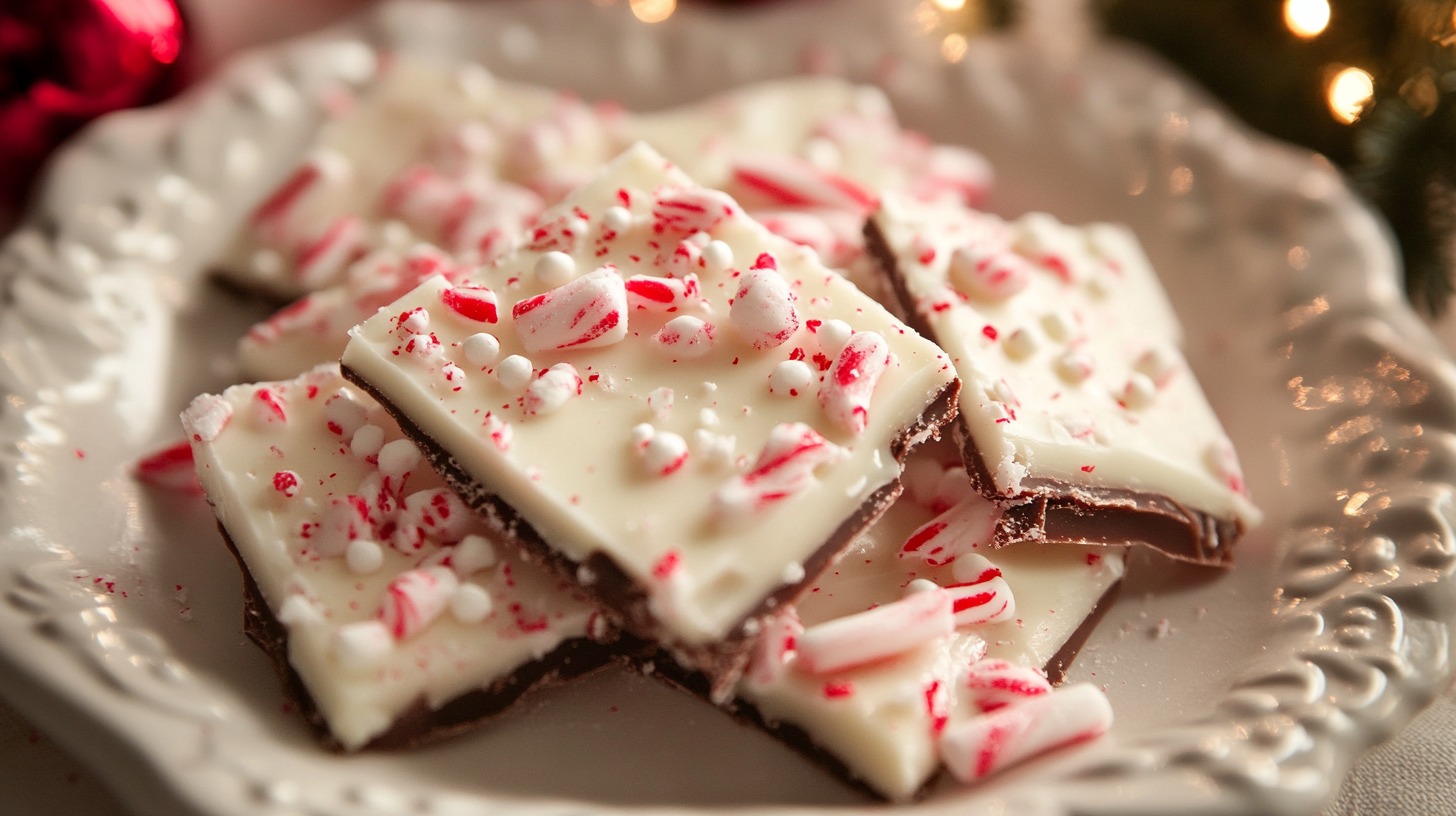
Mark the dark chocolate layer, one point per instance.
(616, 591)
(1058, 511)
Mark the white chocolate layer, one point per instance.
(279, 462)
(883, 720)
(1069, 353)
(589, 469)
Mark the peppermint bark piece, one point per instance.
(1080, 415)
(454, 157)
(388, 609)
(687, 414)
(891, 666)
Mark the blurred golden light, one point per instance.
(1349, 92)
(1306, 18)
(653, 11)
(950, 5)
(953, 47)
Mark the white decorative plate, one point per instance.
(1244, 692)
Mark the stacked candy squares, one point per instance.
(745, 394)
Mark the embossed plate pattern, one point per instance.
(1245, 692)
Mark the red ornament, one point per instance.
(64, 62)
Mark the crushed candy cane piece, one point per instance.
(685, 337)
(588, 312)
(966, 525)
(980, 595)
(170, 468)
(875, 634)
(789, 181)
(975, 748)
(475, 303)
(415, 598)
(784, 466)
(847, 388)
(763, 309)
(777, 639)
(660, 294)
(686, 210)
(551, 390)
(994, 683)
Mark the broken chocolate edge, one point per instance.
(1057, 511)
(662, 667)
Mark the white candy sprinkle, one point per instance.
(554, 268)
(708, 418)
(1157, 364)
(1139, 392)
(474, 553)
(717, 257)
(398, 458)
(833, 334)
(920, 585)
(793, 573)
(713, 449)
(364, 556)
(790, 378)
(481, 349)
(1019, 344)
(660, 401)
(1074, 366)
(664, 453)
(363, 644)
(514, 372)
(1058, 325)
(616, 219)
(367, 440)
(642, 433)
(470, 603)
(298, 610)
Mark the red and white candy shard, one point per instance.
(170, 468)
(763, 310)
(662, 294)
(776, 644)
(474, 303)
(994, 683)
(848, 387)
(875, 634)
(784, 467)
(788, 181)
(968, 524)
(414, 599)
(551, 390)
(589, 312)
(689, 210)
(981, 595)
(975, 748)
(685, 336)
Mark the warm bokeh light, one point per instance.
(1307, 18)
(950, 5)
(1349, 92)
(953, 47)
(653, 11)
